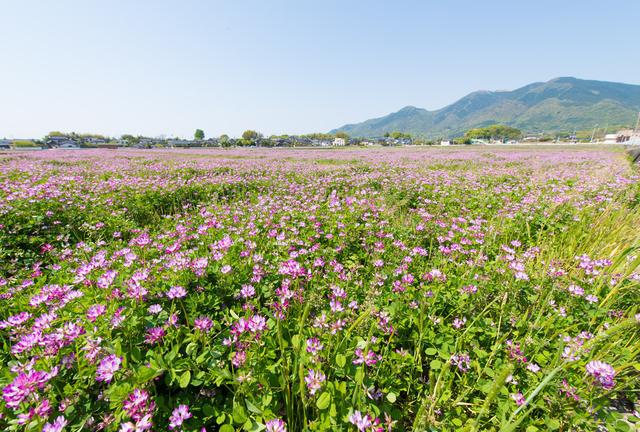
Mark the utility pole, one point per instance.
(637, 128)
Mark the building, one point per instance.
(339, 142)
(445, 142)
(61, 142)
(625, 136)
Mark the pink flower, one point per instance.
(314, 380)
(203, 324)
(107, 367)
(518, 398)
(314, 346)
(95, 311)
(603, 373)
(58, 424)
(176, 292)
(360, 421)
(276, 425)
(154, 334)
(178, 416)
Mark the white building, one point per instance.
(445, 142)
(339, 142)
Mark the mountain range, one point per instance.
(559, 105)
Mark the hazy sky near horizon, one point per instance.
(297, 66)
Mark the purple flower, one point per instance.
(314, 380)
(154, 334)
(603, 373)
(370, 358)
(176, 292)
(360, 421)
(107, 367)
(247, 291)
(57, 425)
(203, 324)
(459, 323)
(314, 346)
(25, 385)
(154, 309)
(461, 361)
(178, 416)
(276, 425)
(138, 405)
(518, 398)
(95, 311)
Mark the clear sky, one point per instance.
(167, 67)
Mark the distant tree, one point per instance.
(496, 132)
(130, 139)
(56, 134)
(250, 135)
(199, 134)
(224, 140)
(342, 135)
(398, 135)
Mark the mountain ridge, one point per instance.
(559, 105)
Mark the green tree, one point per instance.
(199, 134)
(224, 140)
(342, 135)
(250, 135)
(496, 132)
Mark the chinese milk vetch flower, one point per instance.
(178, 416)
(276, 425)
(314, 346)
(25, 385)
(56, 426)
(107, 367)
(314, 380)
(603, 373)
(203, 324)
(176, 292)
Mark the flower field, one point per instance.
(321, 290)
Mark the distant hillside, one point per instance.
(559, 105)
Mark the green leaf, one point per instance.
(341, 360)
(251, 407)
(323, 401)
(144, 374)
(185, 378)
(359, 375)
(239, 414)
(431, 351)
(391, 397)
(191, 348)
(226, 428)
(436, 364)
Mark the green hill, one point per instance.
(559, 105)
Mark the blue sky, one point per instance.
(168, 67)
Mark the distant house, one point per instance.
(61, 142)
(445, 142)
(339, 142)
(621, 137)
(184, 143)
(531, 138)
(5, 144)
(95, 140)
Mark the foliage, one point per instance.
(494, 132)
(372, 290)
(199, 134)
